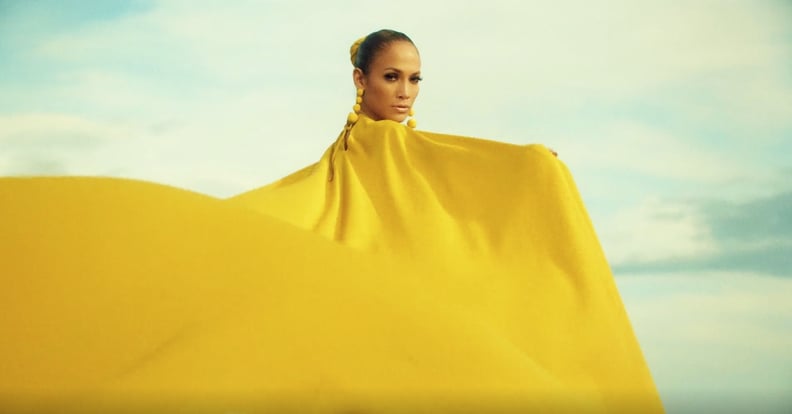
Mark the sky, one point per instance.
(675, 117)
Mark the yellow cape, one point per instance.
(405, 271)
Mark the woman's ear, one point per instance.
(359, 78)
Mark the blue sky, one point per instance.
(674, 116)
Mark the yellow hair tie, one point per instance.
(353, 50)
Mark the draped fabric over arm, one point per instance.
(411, 271)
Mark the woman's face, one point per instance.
(391, 84)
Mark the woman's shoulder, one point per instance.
(367, 128)
(494, 147)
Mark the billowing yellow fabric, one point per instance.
(405, 271)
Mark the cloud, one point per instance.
(653, 151)
(25, 130)
(32, 164)
(50, 143)
(248, 88)
(739, 223)
(753, 236)
(579, 55)
(704, 334)
(655, 231)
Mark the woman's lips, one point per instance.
(402, 108)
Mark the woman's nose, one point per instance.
(403, 90)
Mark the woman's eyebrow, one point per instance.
(400, 71)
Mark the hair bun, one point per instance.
(353, 50)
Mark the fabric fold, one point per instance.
(409, 271)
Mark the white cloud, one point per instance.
(260, 86)
(653, 152)
(25, 129)
(536, 52)
(54, 143)
(718, 338)
(574, 54)
(655, 230)
(758, 99)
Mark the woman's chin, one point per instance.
(398, 118)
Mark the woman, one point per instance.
(404, 271)
(388, 69)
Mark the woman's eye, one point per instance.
(391, 76)
(416, 79)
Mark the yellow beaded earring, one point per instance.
(412, 123)
(353, 116)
